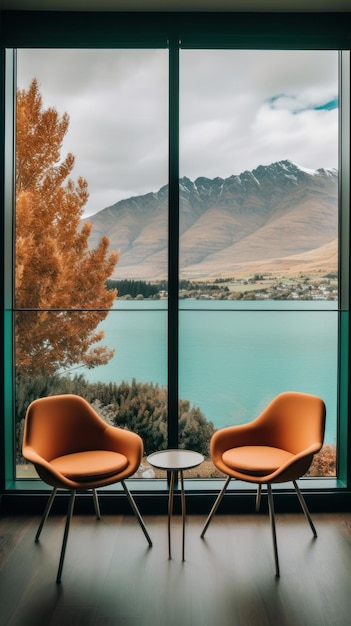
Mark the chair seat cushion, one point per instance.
(256, 460)
(90, 465)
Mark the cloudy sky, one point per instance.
(238, 110)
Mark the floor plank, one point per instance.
(111, 577)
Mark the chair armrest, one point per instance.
(296, 467)
(45, 470)
(232, 437)
(125, 442)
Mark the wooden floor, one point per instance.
(111, 577)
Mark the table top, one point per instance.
(176, 459)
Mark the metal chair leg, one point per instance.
(46, 513)
(65, 536)
(274, 536)
(304, 507)
(173, 476)
(183, 512)
(96, 504)
(258, 497)
(136, 512)
(215, 506)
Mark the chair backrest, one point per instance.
(293, 421)
(63, 424)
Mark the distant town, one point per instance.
(265, 287)
(257, 287)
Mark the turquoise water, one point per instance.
(231, 362)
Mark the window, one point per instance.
(259, 310)
(71, 334)
(215, 336)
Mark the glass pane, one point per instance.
(233, 362)
(92, 233)
(259, 232)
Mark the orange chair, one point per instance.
(276, 447)
(72, 448)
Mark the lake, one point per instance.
(233, 357)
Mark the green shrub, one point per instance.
(140, 407)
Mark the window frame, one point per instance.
(224, 31)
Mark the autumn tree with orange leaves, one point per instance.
(60, 283)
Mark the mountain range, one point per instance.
(280, 219)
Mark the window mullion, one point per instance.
(173, 245)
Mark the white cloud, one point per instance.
(237, 111)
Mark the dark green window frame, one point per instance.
(175, 31)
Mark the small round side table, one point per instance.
(175, 461)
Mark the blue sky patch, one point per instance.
(328, 106)
(284, 101)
